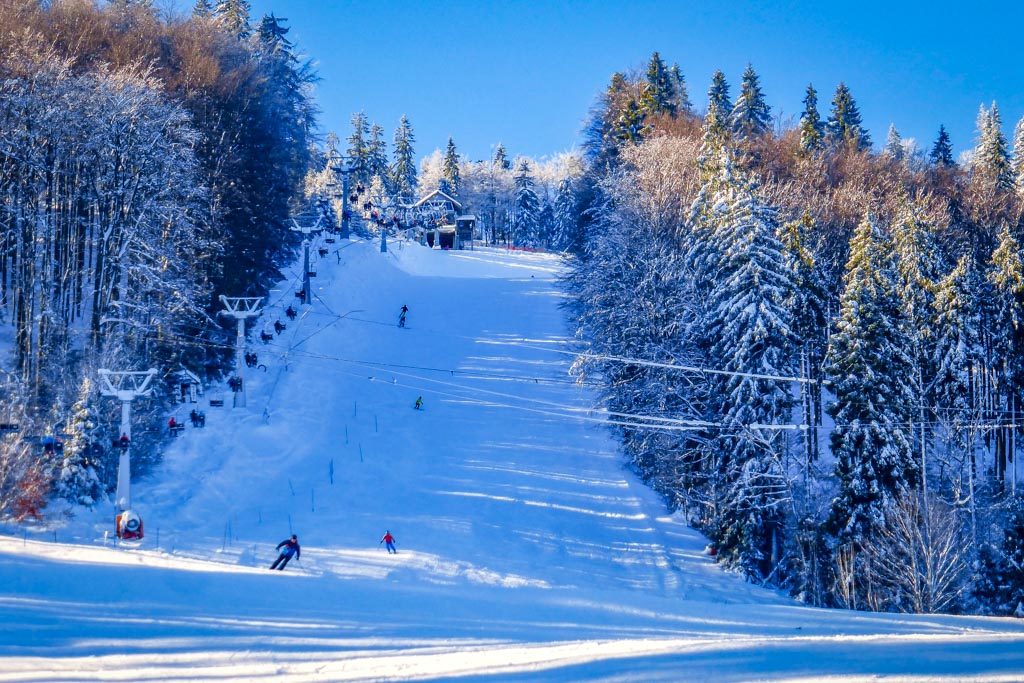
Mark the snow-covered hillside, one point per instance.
(526, 549)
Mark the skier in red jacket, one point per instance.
(390, 540)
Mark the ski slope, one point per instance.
(526, 550)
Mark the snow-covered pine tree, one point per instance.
(377, 156)
(324, 208)
(450, 168)
(500, 159)
(659, 94)
(78, 480)
(991, 161)
(403, 168)
(287, 81)
(617, 119)
(844, 125)
(893, 144)
(526, 208)
(1017, 165)
(958, 355)
(870, 365)
(202, 9)
(331, 145)
(1000, 588)
(546, 225)
(358, 150)
(377, 193)
(751, 117)
(807, 303)
(749, 332)
(941, 153)
(812, 131)
(917, 274)
(271, 34)
(234, 16)
(683, 104)
(631, 125)
(565, 234)
(716, 143)
(716, 125)
(1005, 275)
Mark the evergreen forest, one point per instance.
(811, 346)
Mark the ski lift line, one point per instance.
(476, 374)
(667, 366)
(476, 391)
(571, 414)
(463, 373)
(338, 318)
(979, 426)
(649, 421)
(296, 279)
(669, 424)
(539, 411)
(280, 369)
(631, 361)
(469, 374)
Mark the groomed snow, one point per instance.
(527, 552)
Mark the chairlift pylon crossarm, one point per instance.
(122, 384)
(241, 306)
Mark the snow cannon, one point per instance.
(129, 526)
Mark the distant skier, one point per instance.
(287, 548)
(290, 312)
(390, 541)
(401, 316)
(419, 403)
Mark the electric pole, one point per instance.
(240, 308)
(125, 386)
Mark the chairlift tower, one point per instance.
(125, 386)
(240, 308)
(389, 209)
(342, 167)
(306, 232)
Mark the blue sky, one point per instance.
(526, 73)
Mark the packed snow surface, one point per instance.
(526, 549)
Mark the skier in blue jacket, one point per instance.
(288, 548)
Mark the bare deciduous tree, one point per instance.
(918, 562)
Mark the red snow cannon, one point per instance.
(129, 526)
